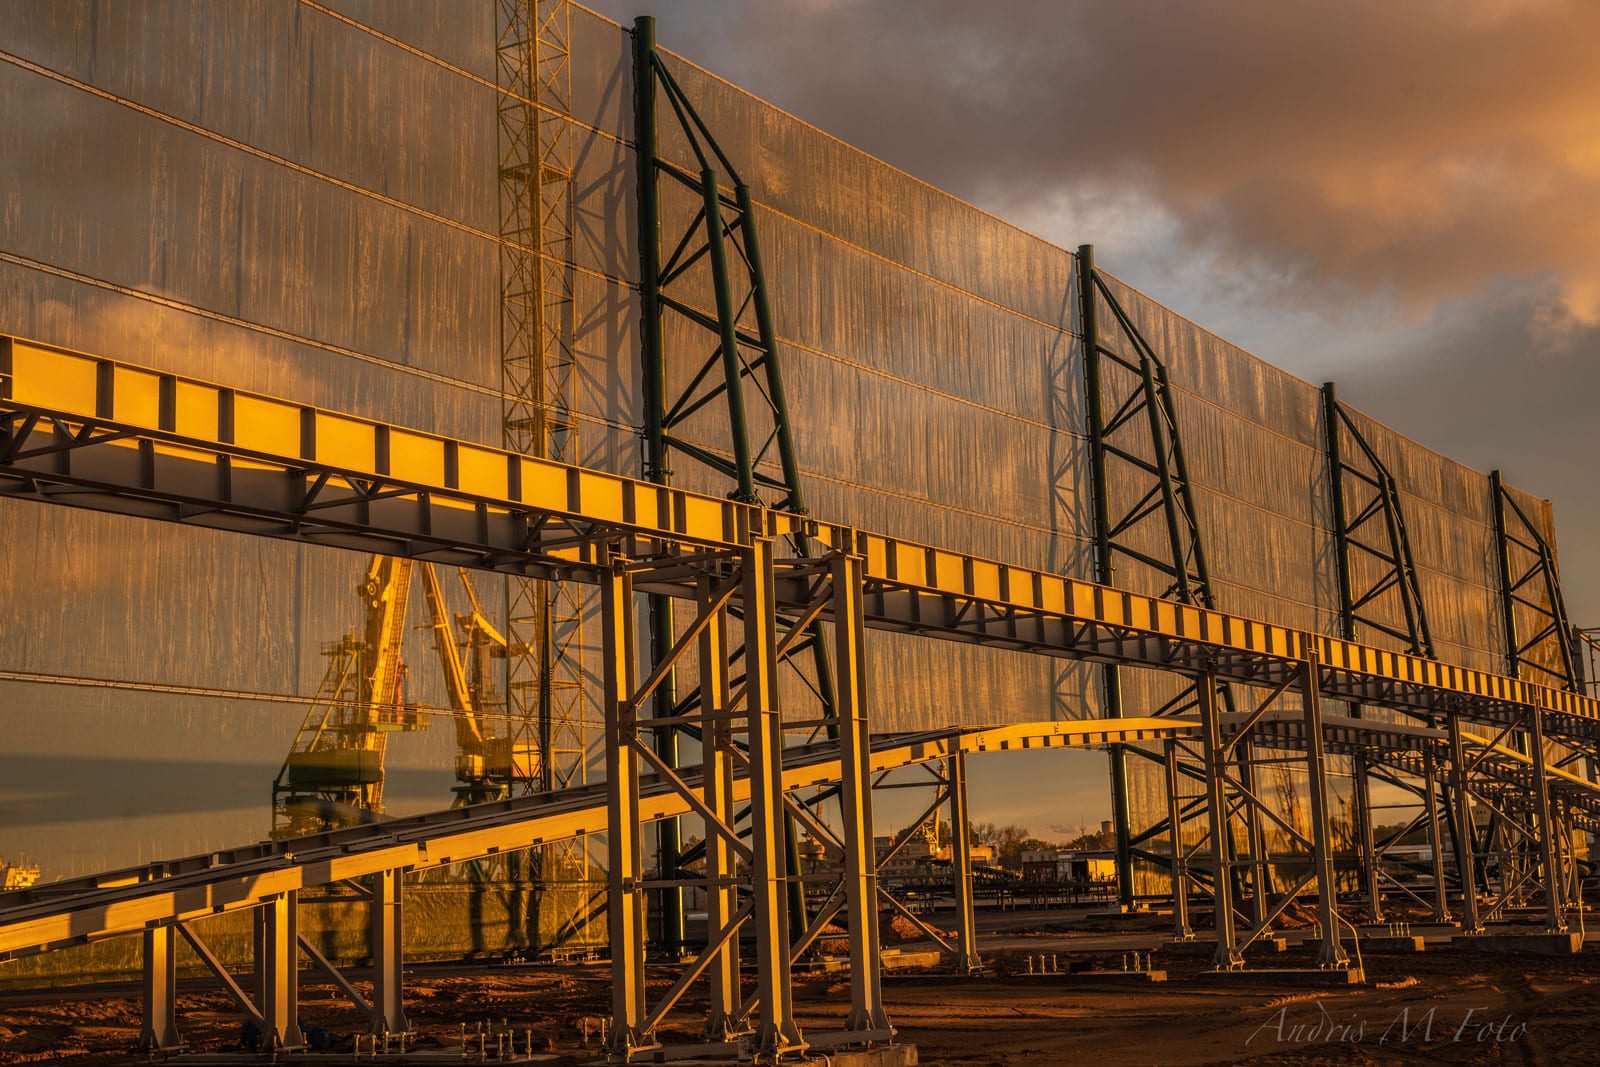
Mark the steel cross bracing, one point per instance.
(1532, 610)
(94, 433)
(713, 381)
(1376, 575)
(167, 899)
(1133, 430)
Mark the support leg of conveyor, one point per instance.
(1228, 957)
(625, 900)
(387, 930)
(159, 1030)
(725, 1000)
(1549, 864)
(1466, 864)
(1430, 800)
(1181, 930)
(967, 959)
(1332, 952)
(278, 971)
(867, 1014)
(777, 1033)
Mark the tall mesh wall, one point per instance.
(300, 199)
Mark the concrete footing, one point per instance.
(1539, 942)
(1384, 943)
(1208, 947)
(877, 1056)
(1289, 977)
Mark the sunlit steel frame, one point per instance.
(743, 368)
(1144, 414)
(1527, 568)
(1367, 518)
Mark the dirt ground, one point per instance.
(1438, 1007)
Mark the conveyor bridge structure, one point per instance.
(91, 432)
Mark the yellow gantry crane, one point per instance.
(334, 772)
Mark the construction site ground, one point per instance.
(1440, 1006)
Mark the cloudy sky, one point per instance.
(1399, 197)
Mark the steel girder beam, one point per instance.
(1369, 522)
(705, 217)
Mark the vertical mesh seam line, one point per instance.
(764, 205)
(302, 169)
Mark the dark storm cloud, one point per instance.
(1333, 150)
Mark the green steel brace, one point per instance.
(1170, 497)
(1392, 549)
(727, 223)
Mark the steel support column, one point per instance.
(777, 1032)
(1181, 930)
(388, 957)
(1216, 762)
(855, 799)
(1549, 862)
(625, 902)
(1104, 566)
(967, 958)
(1255, 836)
(725, 999)
(1430, 795)
(1367, 844)
(1466, 864)
(158, 1031)
(277, 972)
(1331, 953)
(657, 463)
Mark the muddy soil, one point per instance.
(1438, 1007)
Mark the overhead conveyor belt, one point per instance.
(79, 910)
(109, 436)
(95, 433)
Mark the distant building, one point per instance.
(1082, 866)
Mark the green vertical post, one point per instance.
(1104, 571)
(656, 469)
